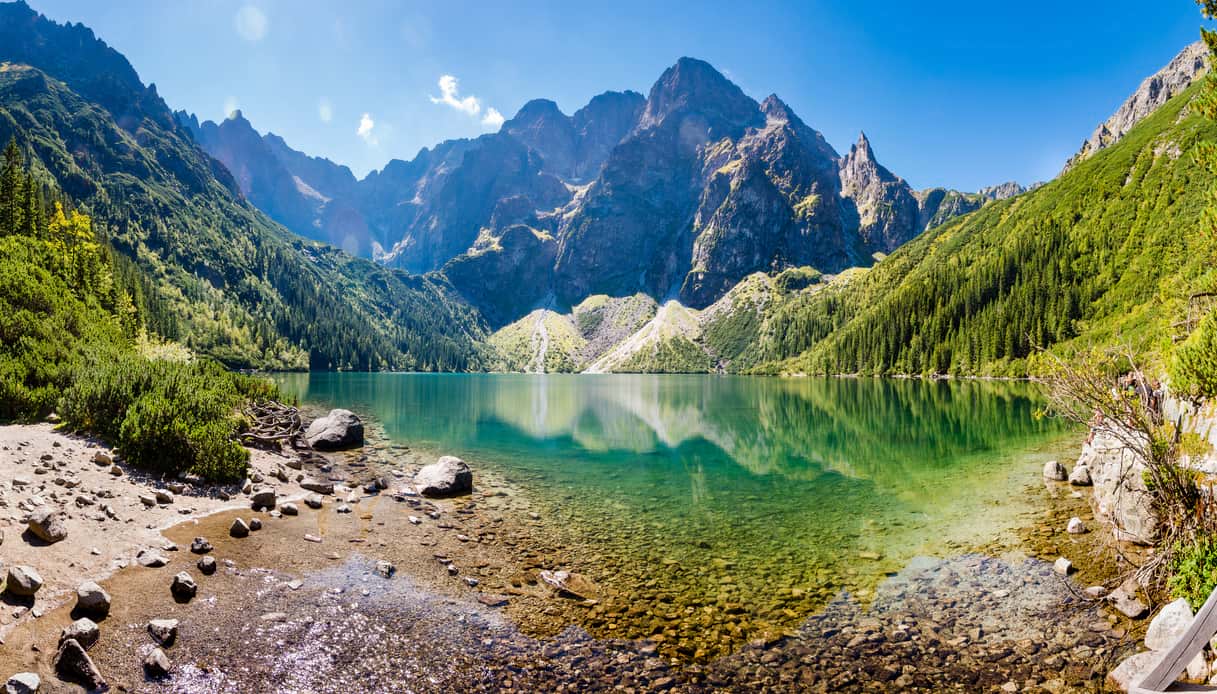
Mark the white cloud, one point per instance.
(251, 23)
(366, 124)
(325, 111)
(469, 105)
(230, 106)
(493, 119)
(448, 87)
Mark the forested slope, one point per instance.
(1106, 253)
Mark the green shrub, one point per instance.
(1193, 574)
(1194, 367)
(166, 416)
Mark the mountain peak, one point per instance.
(538, 108)
(693, 87)
(862, 148)
(776, 109)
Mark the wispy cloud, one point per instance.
(366, 125)
(230, 106)
(251, 23)
(325, 111)
(493, 119)
(449, 89)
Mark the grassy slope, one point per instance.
(1106, 253)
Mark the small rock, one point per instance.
(102, 458)
(264, 498)
(313, 501)
(1075, 526)
(92, 599)
(23, 683)
(1095, 592)
(47, 525)
(147, 499)
(74, 664)
(289, 509)
(1127, 604)
(239, 528)
(157, 664)
(207, 565)
(1062, 566)
(23, 580)
(183, 587)
(151, 558)
(1053, 470)
(200, 545)
(312, 538)
(84, 630)
(116, 471)
(255, 524)
(385, 569)
(415, 520)
(163, 497)
(318, 486)
(1080, 477)
(164, 631)
(343, 508)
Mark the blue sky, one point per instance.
(954, 93)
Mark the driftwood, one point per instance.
(273, 425)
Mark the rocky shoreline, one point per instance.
(380, 590)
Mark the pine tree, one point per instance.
(12, 189)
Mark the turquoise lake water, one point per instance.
(756, 497)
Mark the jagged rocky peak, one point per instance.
(860, 167)
(1001, 191)
(693, 95)
(776, 110)
(1155, 90)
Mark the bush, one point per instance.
(1194, 367)
(1194, 571)
(166, 416)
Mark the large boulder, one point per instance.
(23, 581)
(1168, 626)
(450, 476)
(1080, 477)
(157, 664)
(47, 525)
(92, 600)
(1132, 670)
(1120, 495)
(74, 665)
(337, 430)
(164, 631)
(183, 587)
(84, 631)
(1053, 470)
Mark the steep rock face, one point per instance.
(1157, 89)
(770, 201)
(508, 277)
(574, 147)
(631, 231)
(600, 126)
(886, 211)
(448, 222)
(681, 194)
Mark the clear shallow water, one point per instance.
(715, 509)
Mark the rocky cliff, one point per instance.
(679, 194)
(1155, 90)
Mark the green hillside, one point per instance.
(1107, 253)
(236, 285)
